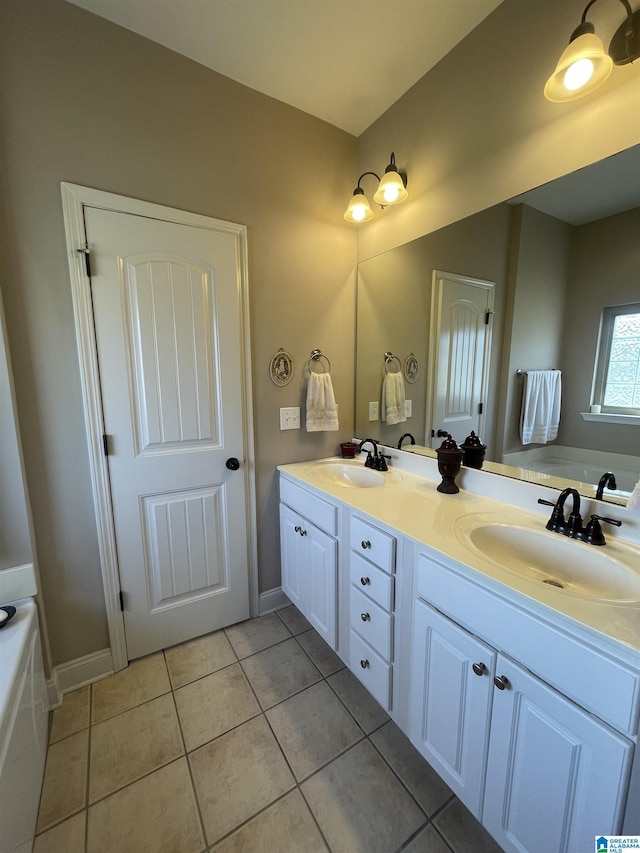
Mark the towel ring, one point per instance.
(316, 355)
(388, 358)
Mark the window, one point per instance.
(617, 380)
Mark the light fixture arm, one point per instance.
(367, 173)
(621, 49)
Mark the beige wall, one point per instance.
(477, 130)
(603, 270)
(538, 279)
(88, 102)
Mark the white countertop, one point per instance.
(411, 505)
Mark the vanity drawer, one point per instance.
(322, 513)
(373, 544)
(373, 623)
(375, 583)
(372, 671)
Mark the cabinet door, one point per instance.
(556, 775)
(320, 569)
(292, 547)
(450, 702)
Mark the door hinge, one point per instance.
(480, 405)
(87, 258)
(105, 444)
(121, 597)
(487, 317)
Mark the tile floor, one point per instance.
(255, 738)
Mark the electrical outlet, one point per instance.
(373, 411)
(408, 408)
(290, 418)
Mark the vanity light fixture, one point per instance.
(584, 65)
(392, 189)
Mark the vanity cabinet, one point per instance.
(529, 762)
(372, 556)
(309, 557)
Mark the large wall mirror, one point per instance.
(555, 258)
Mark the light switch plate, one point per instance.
(373, 411)
(290, 418)
(408, 408)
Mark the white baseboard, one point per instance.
(76, 673)
(272, 599)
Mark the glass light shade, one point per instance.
(358, 209)
(583, 67)
(391, 189)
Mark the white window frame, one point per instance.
(609, 315)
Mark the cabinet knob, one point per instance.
(299, 530)
(365, 617)
(365, 581)
(479, 668)
(365, 544)
(364, 664)
(501, 682)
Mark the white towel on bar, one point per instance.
(393, 398)
(322, 412)
(541, 397)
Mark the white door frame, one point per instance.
(74, 199)
(434, 337)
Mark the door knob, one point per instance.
(232, 463)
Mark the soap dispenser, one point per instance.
(449, 461)
(473, 451)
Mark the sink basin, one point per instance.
(605, 573)
(352, 475)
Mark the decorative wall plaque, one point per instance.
(281, 368)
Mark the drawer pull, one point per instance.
(479, 668)
(501, 682)
(365, 544)
(365, 581)
(364, 664)
(365, 617)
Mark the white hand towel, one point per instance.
(322, 412)
(393, 398)
(541, 398)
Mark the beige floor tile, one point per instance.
(369, 713)
(197, 658)
(237, 775)
(157, 814)
(279, 672)
(423, 782)
(66, 837)
(312, 728)
(252, 636)
(462, 831)
(73, 716)
(427, 840)
(360, 805)
(64, 790)
(320, 653)
(141, 681)
(285, 827)
(294, 620)
(126, 747)
(213, 705)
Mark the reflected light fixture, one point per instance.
(392, 189)
(584, 65)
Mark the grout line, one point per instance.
(193, 784)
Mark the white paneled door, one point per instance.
(462, 309)
(166, 303)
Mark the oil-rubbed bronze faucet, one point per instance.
(372, 458)
(607, 481)
(402, 438)
(592, 533)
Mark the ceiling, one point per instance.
(344, 61)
